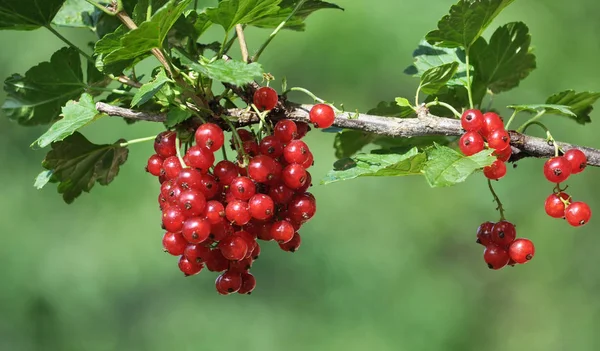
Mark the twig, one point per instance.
(242, 39)
(276, 30)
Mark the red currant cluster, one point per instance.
(558, 204)
(486, 130)
(214, 213)
(502, 246)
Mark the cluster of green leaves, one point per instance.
(459, 67)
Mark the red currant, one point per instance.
(221, 230)
(188, 267)
(292, 245)
(282, 231)
(484, 233)
(191, 203)
(578, 213)
(154, 165)
(196, 253)
(261, 207)
(172, 219)
(491, 121)
(303, 129)
(210, 136)
(498, 139)
(225, 171)
(174, 243)
(242, 188)
(200, 158)
(296, 151)
(265, 98)
(294, 176)
(281, 194)
(471, 143)
(209, 186)
(196, 230)
(164, 144)
(172, 167)
(504, 154)
(554, 207)
(237, 212)
(495, 256)
(557, 169)
(240, 266)
(234, 247)
(285, 130)
(262, 168)
(577, 159)
(248, 283)
(472, 120)
(495, 171)
(228, 283)
(190, 178)
(521, 251)
(503, 233)
(216, 262)
(271, 146)
(214, 212)
(322, 116)
(302, 207)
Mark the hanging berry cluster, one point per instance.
(214, 214)
(502, 247)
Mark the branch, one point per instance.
(426, 125)
(242, 39)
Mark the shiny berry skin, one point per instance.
(200, 158)
(261, 207)
(240, 266)
(557, 169)
(154, 165)
(209, 186)
(174, 243)
(578, 213)
(292, 245)
(271, 146)
(210, 136)
(197, 253)
(221, 230)
(281, 194)
(322, 116)
(495, 171)
(242, 188)
(225, 171)
(503, 233)
(244, 134)
(233, 248)
(554, 207)
(250, 147)
(172, 167)
(484, 233)
(189, 178)
(577, 159)
(303, 129)
(293, 176)
(256, 252)
(170, 191)
(471, 143)
(285, 130)
(196, 230)
(495, 256)
(228, 282)
(498, 139)
(307, 184)
(237, 212)
(188, 267)
(296, 151)
(249, 238)
(265, 98)
(491, 121)
(248, 283)
(262, 168)
(472, 120)
(172, 219)
(214, 211)
(282, 231)
(216, 262)
(164, 144)
(191, 203)
(503, 154)
(521, 251)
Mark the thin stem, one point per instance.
(116, 91)
(120, 6)
(242, 39)
(66, 41)
(448, 106)
(279, 27)
(101, 7)
(125, 80)
(532, 123)
(224, 150)
(310, 93)
(195, 4)
(229, 44)
(178, 149)
(469, 79)
(238, 141)
(262, 115)
(500, 208)
(524, 126)
(135, 141)
(512, 117)
(417, 96)
(224, 44)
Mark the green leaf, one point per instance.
(37, 97)
(232, 12)
(74, 13)
(456, 95)
(436, 78)
(176, 115)
(230, 71)
(349, 142)
(403, 102)
(446, 167)
(42, 179)
(466, 22)
(28, 14)
(391, 109)
(579, 103)
(148, 90)
(297, 21)
(78, 164)
(76, 115)
(140, 11)
(376, 165)
(427, 56)
(551, 109)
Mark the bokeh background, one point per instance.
(386, 264)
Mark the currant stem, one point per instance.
(500, 208)
(135, 141)
(262, 115)
(242, 39)
(236, 137)
(178, 148)
(532, 120)
(512, 117)
(310, 93)
(224, 151)
(66, 41)
(101, 7)
(448, 106)
(469, 79)
(115, 91)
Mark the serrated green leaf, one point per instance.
(581, 104)
(348, 142)
(27, 15)
(427, 56)
(77, 164)
(436, 78)
(447, 167)
(148, 90)
(175, 116)
(391, 109)
(551, 109)
(42, 179)
(37, 97)
(466, 22)
(403, 102)
(297, 21)
(230, 71)
(74, 13)
(232, 12)
(140, 11)
(76, 115)
(375, 165)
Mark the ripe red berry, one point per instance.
(191, 203)
(154, 165)
(265, 98)
(503, 154)
(271, 146)
(471, 143)
(472, 120)
(196, 230)
(302, 207)
(242, 188)
(282, 231)
(172, 219)
(216, 262)
(172, 167)
(225, 171)
(262, 168)
(285, 130)
(521, 251)
(322, 115)
(484, 233)
(491, 121)
(577, 159)
(209, 186)
(237, 212)
(228, 283)
(557, 169)
(189, 178)
(200, 158)
(248, 283)
(303, 129)
(498, 139)
(281, 194)
(221, 230)
(495, 256)
(292, 245)
(495, 171)
(261, 207)
(234, 247)
(250, 147)
(164, 144)
(503, 233)
(256, 252)
(309, 161)
(294, 176)
(210, 136)
(578, 213)
(214, 211)
(197, 253)
(188, 267)
(554, 207)
(296, 151)
(240, 266)
(174, 243)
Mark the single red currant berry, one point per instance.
(225, 171)
(256, 252)
(188, 267)
(261, 207)
(271, 146)
(285, 130)
(210, 136)
(265, 98)
(309, 161)
(174, 243)
(164, 144)
(554, 206)
(307, 184)
(248, 283)
(521, 251)
(200, 158)
(237, 212)
(282, 231)
(498, 139)
(472, 120)
(216, 262)
(214, 212)
(250, 147)
(292, 245)
(503, 233)
(191, 203)
(322, 115)
(154, 165)
(250, 240)
(228, 283)
(495, 256)
(504, 154)
(221, 230)
(296, 151)
(190, 178)
(162, 202)
(577, 159)
(234, 247)
(172, 219)
(491, 121)
(172, 167)
(484, 233)
(471, 143)
(303, 129)
(197, 253)
(262, 168)
(294, 176)
(196, 230)
(302, 207)
(242, 188)
(495, 171)
(578, 213)
(281, 194)
(209, 186)
(263, 231)
(162, 178)
(557, 169)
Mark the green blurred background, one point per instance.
(386, 264)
